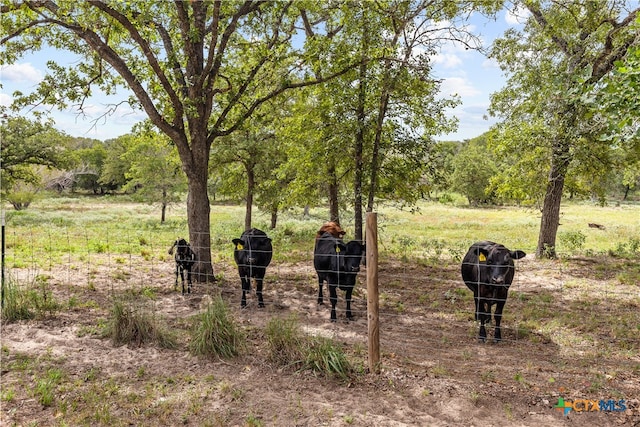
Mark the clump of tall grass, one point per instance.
(325, 356)
(28, 300)
(285, 342)
(216, 333)
(129, 324)
(289, 346)
(15, 304)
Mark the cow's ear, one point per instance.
(517, 254)
(482, 254)
(239, 244)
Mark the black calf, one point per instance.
(488, 269)
(253, 252)
(338, 264)
(185, 258)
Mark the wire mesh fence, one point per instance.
(581, 306)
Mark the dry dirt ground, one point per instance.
(434, 372)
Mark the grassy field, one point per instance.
(59, 226)
(571, 327)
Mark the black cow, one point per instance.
(253, 252)
(185, 258)
(487, 269)
(338, 264)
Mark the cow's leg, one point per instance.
(349, 291)
(259, 292)
(476, 300)
(246, 287)
(175, 286)
(189, 279)
(482, 336)
(320, 298)
(497, 335)
(333, 297)
(182, 278)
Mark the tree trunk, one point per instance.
(274, 217)
(251, 182)
(550, 221)
(163, 215)
(198, 214)
(357, 185)
(334, 209)
(360, 134)
(195, 164)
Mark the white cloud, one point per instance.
(458, 86)
(473, 121)
(447, 60)
(516, 16)
(490, 63)
(21, 73)
(5, 100)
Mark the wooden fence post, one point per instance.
(372, 291)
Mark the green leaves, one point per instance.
(26, 144)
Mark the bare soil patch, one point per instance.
(434, 372)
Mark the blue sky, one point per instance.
(464, 72)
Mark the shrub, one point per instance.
(215, 333)
(573, 240)
(21, 199)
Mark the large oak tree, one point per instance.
(198, 69)
(567, 49)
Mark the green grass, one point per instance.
(28, 299)
(288, 346)
(284, 341)
(83, 234)
(215, 333)
(132, 323)
(455, 228)
(60, 230)
(325, 356)
(45, 388)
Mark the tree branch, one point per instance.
(153, 63)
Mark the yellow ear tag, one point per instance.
(482, 258)
(239, 247)
(337, 249)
